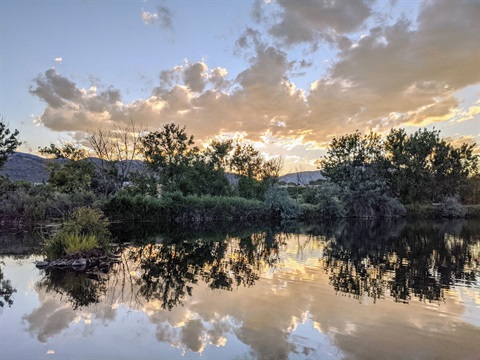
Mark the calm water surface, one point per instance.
(349, 290)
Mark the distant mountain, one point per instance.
(28, 167)
(302, 177)
(33, 168)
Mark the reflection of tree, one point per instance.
(6, 291)
(169, 271)
(419, 260)
(78, 288)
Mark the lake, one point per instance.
(342, 290)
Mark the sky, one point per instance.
(286, 76)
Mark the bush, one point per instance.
(87, 230)
(423, 211)
(27, 203)
(173, 207)
(280, 205)
(370, 199)
(328, 200)
(65, 243)
(88, 221)
(452, 208)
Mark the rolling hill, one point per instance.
(32, 168)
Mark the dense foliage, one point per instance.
(420, 167)
(71, 171)
(8, 142)
(366, 176)
(86, 230)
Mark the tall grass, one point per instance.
(176, 208)
(63, 244)
(87, 230)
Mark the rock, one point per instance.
(104, 266)
(60, 263)
(78, 264)
(42, 264)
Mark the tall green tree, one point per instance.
(168, 151)
(256, 174)
(218, 153)
(353, 158)
(8, 142)
(423, 167)
(172, 153)
(71, 170)
(417, 167)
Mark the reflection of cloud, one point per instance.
(49, 319)
(292, 310)
(54, 315)
(192, 335)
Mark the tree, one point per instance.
(169, 151)
(218, 153)
(246, 161)
(271, 171)
(169, 147)
(8, 142)
(256, 174)
(181, 166)
(423, 167)
(356, 163)
(70, 171)
(420, 167)
(353, 157)
(116, 150)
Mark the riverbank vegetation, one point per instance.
(162, 176)
(87, 230)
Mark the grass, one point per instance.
(87, 230)
(64, 243)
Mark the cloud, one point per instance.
(162, 17)
(55, 89)
(195, 76)
(401, 69)
(306, 21)
(457, 141)
(218, 77)
(402, 73)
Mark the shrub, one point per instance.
(27, 203)
(64, 243)
(88, 221)
(452, 208)
(280, 205)
(175, 207)
(87, 230)
(328, 200)
(370, 199)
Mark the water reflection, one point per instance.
(78, 289)
(269, 293)
(419, 259)
(362, 259)
(6, 290)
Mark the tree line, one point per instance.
(418, 167)
(366, 175)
